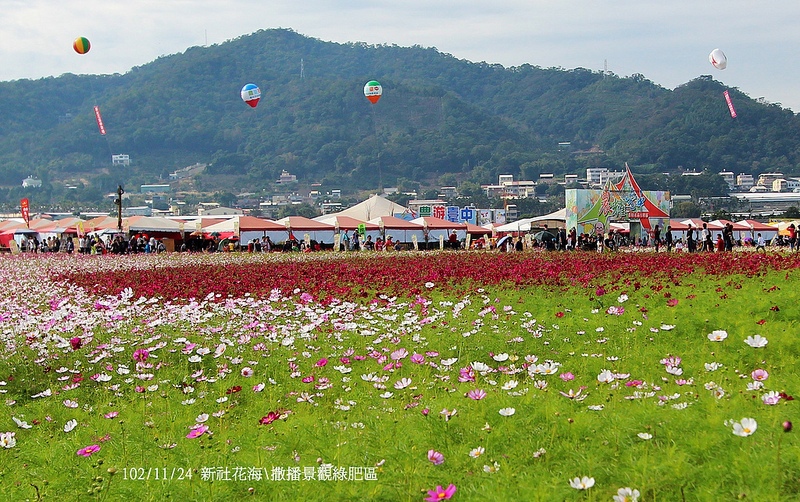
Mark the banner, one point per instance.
(730, 103)
(99, 120)
(25, 209)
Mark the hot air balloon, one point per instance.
(718, 59)
(81, 45)
(373, 91)
(251, 94)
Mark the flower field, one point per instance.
(433, 376)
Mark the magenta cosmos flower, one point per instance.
(435, 457)
(141, 355)
(441, 493)
(87, 451)
(197, 432)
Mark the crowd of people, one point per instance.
(693, 240)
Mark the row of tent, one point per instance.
(246, 228)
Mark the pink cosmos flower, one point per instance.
(435, 457)
(441, 493)
(111, 414)
(322, 362)
(399, 354)
(759, 375)
(75, 342)
(87, 451)
(567, 376)
(476, 394)
(141, 355)
(417, 358)
(197, 432)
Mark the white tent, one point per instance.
(374, 207)
(557, 219)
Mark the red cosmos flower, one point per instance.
(269, 418)
(75, 342)
(559, 314)
(672, 302)
(786, 396)
(761, 322)
(774, 308)
(234, 389)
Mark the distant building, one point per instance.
(547, 178)
(766, 179)
(505, 178)
(31, 182)
(594, 175)
(729, 178)
(570, 179)
(219, 211)
(122, 159)
(287, 178)
(155, 189)
(137, 211)
(449, 192)
(744, 181)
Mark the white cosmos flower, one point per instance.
(481, 367)
(755, 385)
(386, 395)
(667, 327)
(626, 495)
(21, 423)
(476, 452)
(622, 298)
(402, 383)
(583, 483)
(70, 404)
(596, 407)
(7, 439)
(756, 342)
(511, 384)
(449, 362)
(247, 372)
(500, 357)
(201, 418)
(429, 285)
(745, 427)
(605, 376)
(507, 412)
(645, 436)
(195, 358)
(712, 366)
(718, 335)
(70, 425)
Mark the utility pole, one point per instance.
(118, 202)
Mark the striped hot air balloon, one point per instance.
(81, 45)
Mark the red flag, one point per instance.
(99, 120)
(25, 209)
(730, 103)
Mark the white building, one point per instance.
(594, 175)
(729, 178)
(31, 182)
(122, 159)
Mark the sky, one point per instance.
(666, 41)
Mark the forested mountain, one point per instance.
(438, 115)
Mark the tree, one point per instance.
(686, 210)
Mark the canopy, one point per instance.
(343, 222)
(250, 228)
(374, 207)
(316, 230)
(152, 224)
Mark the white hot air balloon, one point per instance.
(717, 59)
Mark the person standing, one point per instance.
(668, 238)
(657, 237)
